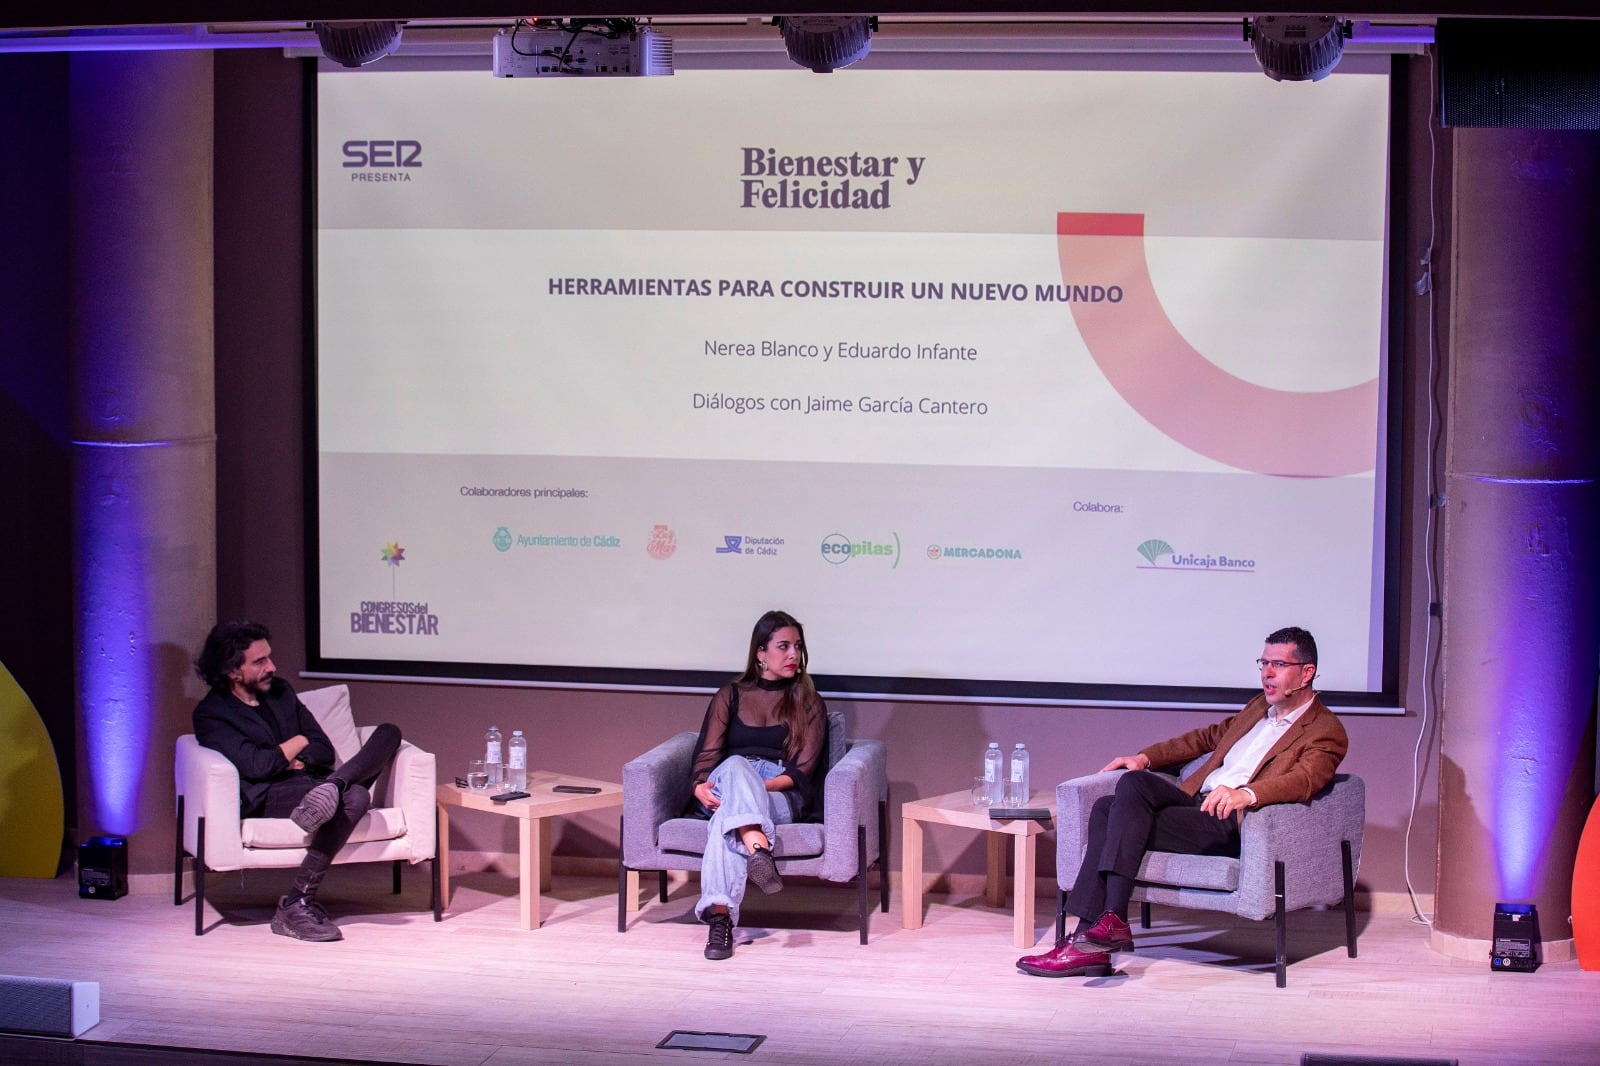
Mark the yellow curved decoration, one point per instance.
(32, 815)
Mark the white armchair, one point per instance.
(399, 827)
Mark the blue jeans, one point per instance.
(740, 784)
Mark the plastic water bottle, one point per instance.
(518, 761)
(1017, 791)
(493, 757)
(994, 772)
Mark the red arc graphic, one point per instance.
(1185, 395)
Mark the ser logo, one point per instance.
(382, 153)
(391, 160)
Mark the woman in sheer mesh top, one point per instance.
(756, 766)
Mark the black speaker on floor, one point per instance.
(1516, 938)
(103, 868)
(1520, 74)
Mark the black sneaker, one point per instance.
(304, 919)
(719, 941)
(319, 910)
(763, 872)
(316, 807)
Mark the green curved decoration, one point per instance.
(32, 813)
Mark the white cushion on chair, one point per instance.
(379, 823)
(331, 708)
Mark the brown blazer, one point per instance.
(1296, 768)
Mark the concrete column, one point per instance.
(143, 450)
(1521, 532)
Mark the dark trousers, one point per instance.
(1148, 812)
(355, 779)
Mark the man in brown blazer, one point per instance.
(1283, 747)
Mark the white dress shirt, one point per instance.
(1240, 764)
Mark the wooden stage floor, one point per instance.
(475, 990)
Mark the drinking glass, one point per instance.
(980, 792)
(477, 776)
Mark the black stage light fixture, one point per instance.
(355, 44)
(824, 43)
(1297, 47)
(103, 868)
(1516, 938)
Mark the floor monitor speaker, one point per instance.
(48, 1007)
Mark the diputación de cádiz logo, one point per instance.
(744, 544)
(1153, 550)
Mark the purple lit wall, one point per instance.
(143, 448)
(1521, 529)
(113, 520)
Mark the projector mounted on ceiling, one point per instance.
(557, 48)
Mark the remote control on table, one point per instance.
(584, 790)
(1007, 814)
(504, 796)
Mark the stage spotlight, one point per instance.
(1297, 47)
(355, 44)
(1516, 938)
(825, 43)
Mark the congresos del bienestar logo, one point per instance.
(394, 616)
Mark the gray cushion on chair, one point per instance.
(688, 835)
(1217, 873)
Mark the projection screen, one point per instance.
(1011, 385)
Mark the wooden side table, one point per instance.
(957, 808)
(533, 828)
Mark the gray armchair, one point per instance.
(851, 838)
(1292, 855)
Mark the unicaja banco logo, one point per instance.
(1155, 550)
(838, 548)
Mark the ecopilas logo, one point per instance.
(839, 549)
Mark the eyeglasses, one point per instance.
(1276, 664)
